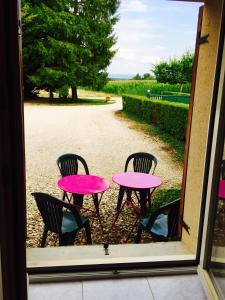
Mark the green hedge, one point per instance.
(164, 196)
(170, 117)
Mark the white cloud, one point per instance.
(132, 61)
(136, 6)
(136, 33)
(137, 38)
(149, 59)
(147, 32)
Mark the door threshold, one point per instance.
(81, 256)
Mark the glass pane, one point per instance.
(218, 250)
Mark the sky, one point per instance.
(150, 31)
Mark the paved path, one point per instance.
(94, 132)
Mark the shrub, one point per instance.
(170, 117)
(164, 196)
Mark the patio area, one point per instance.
(105, 140)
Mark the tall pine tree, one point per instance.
(67, 43)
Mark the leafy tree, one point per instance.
(187, 61)
(137, 77)
(67, 43)
(148, 76)
(175, 70)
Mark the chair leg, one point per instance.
(44, 237)
(71, 238)
(143, 200)
(67, 239)
(88, 233)
(78, 200)
(138, 236)
(62, 240)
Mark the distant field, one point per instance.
(140, 87)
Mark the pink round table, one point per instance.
(136, 181)
(82, 184)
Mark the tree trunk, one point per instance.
(181, 88)
(51, 95)
(74, 94)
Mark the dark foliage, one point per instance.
(67, 43)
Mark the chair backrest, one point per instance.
(171, 209)
(51, 210)
(142, 162)
(222, 170)
(69, 163)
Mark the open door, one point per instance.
(12, 163)
(182, 224)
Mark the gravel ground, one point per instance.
(105, 140)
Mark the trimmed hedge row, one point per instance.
(170, 117)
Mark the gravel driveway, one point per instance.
(101, 137)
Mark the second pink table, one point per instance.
(136, 181)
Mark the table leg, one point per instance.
(129, 193)
(120, 198)
(96, 203)
(143, 201)
(95, 198)
(78, 200)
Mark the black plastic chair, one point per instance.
(68, 165)
(141, 162)
(61, 218)
(162, 223)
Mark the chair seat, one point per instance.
(69, 223)
(160, 226)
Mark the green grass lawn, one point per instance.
(56, 101)
(84, 98)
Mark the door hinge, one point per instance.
(185, 226)
(203, 39)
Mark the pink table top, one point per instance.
(222, 189)
(83, 184)
(137, 180)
